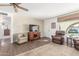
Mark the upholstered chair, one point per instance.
(58, 37)
(76, 44)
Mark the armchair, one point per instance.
(58, 38)
(21, 38)
(76, 44)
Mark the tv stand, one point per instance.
(33, 36)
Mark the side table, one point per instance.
(69, 40)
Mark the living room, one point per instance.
(34, 27)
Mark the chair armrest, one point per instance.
(75, 40)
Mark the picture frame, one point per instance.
(53, 25)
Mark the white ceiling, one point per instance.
(45, 10)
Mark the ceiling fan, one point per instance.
(15, 6)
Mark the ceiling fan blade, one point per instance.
(5, 5)
(3, 13)
(17, 3)
(22, 8)
(15, 8)
(14, 3)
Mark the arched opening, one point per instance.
(73, 30)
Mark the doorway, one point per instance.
(5, 30)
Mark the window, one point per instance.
(73, 30)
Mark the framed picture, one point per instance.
(53, 25)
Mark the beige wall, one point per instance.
(19, 20)
(47, 27)
(64, 25)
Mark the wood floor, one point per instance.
(15, 49)
(52, 49)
